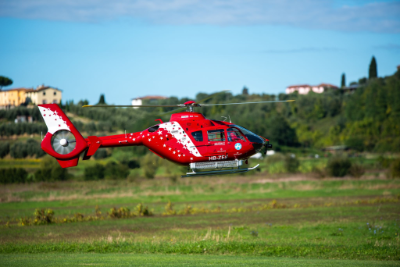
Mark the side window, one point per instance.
(216, 135)
(235, 135)
(198, 136)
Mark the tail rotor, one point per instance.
(63, 142)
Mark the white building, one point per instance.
(305, 88)
(151, 99)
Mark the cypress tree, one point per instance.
(343, 83)
(373, 72)
(102, 100)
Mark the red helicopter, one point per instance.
(206, 146)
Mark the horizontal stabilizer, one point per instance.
(68, 162)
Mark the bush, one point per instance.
(13, 175)
(133, 164)
(355, 143)
(291, 164)
(95, 172)
(29, 148)
(395, 169)
(43, 216)
(356, 170)
(101, 154)
(384, 162)
(4, 149)
(116, 171)
(338, 166)
(50, 171)
(150, 165)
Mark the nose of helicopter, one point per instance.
(258, 143)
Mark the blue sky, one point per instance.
(127, 49)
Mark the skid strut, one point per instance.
(217, 167)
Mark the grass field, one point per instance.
(222, 221)
(112, 259)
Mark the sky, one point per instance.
(127, 49)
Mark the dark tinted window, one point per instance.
(216, 135)
(235, 135)
(154, 128)
(198, 136)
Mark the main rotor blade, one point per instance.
(242, 103)
(131, 106)
(197, 102)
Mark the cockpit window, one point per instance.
(154, 128)
(216, 135)
(235, 135)
(251, 136)
(198, 136)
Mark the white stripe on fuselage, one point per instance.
(53, 121)
(175, 129)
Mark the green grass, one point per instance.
(322, 219)
(64, 259)
(67, 198)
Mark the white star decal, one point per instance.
(159, 132)
(179, 155)
(153, 136)
(149, 139)
(161, 138)
(134, 139)
(164, 145)
(169, 148)
(174, 152)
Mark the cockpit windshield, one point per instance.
(250, 135)
(235, 135)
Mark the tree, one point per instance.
(245, 91)
(102, 100)
(4, 81)
(373, 69)
(343, 83)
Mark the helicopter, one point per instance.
(205, 146)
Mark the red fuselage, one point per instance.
(190, 137)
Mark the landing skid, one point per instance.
(218, 172)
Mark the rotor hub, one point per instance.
(63, 142)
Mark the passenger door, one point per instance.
(216, 144)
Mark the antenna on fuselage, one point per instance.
(227, 118)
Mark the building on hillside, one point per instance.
(153, 99)
(44, 95)
(13, 97)
(18, 96)
(305, 88)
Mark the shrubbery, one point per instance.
(395, 169)
(50, 170)
(4, 149)
(95, 172)
(115, 171)
(13, 175)
(149, 165)
(291, 164)
(29, 148)
(338, 166)
(9, 129)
